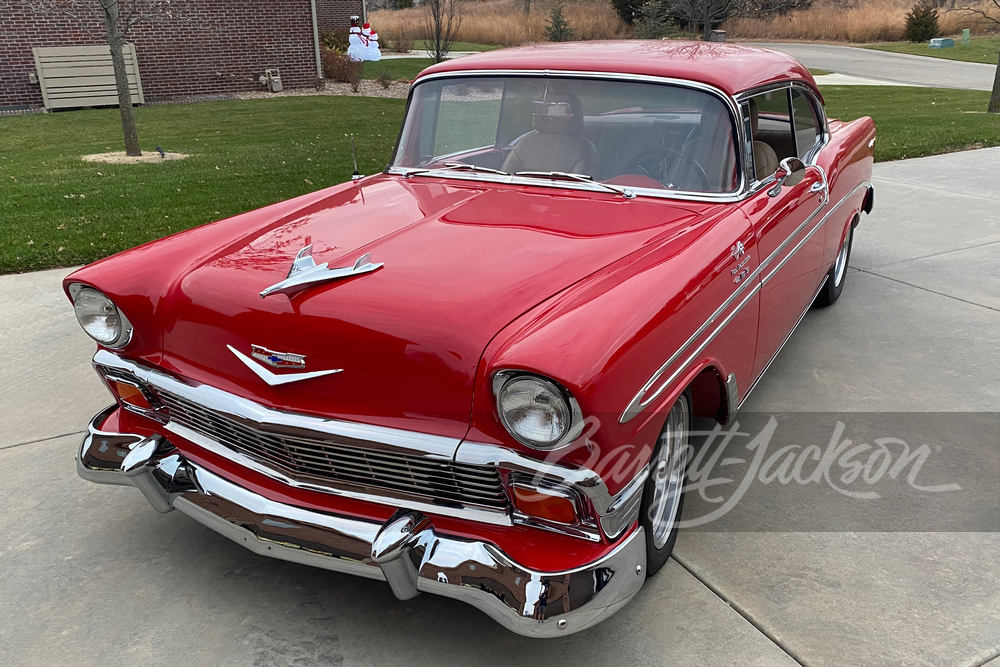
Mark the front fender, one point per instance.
(606, 336)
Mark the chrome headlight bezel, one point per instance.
(125, 327)
(504, 378)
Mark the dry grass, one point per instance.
(856, 21)
(503, 22)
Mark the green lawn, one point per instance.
(57, 210)
(918, 121)
(817, 72)
(981, 50)
(398, 68)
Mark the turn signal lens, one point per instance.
(130, 394)
(544, 505)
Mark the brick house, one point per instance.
(223, 46)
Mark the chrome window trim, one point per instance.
(641, 401)
(734, 196)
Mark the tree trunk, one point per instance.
(115, 39)
(527, 7)
(995, 97)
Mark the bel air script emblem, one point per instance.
(277, 360)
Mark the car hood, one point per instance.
(460, 261)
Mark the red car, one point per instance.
(473, 374)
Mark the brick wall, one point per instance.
(332, 14)
(225, 46)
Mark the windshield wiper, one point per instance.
(581, 178)
(457, 166)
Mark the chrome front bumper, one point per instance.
(405, 551)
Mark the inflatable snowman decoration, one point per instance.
(362, 42)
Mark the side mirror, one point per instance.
(791, 171)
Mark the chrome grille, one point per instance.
(323, 458)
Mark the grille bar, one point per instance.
(323, 458)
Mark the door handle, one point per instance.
(818, 186)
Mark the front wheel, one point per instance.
(662, 495)
(835, 279)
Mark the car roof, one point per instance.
(732, 68)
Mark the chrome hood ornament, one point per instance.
(274, 379)
(306, 272)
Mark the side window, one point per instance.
(468, 116)
(773, 124)
(771, 127)
(807, 129)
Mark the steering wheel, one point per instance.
(657, 163)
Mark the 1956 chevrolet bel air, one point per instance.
(473, 374)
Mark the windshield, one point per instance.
(639, 135)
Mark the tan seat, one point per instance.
(765, 160)
(557, 142)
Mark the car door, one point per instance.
(785, 218)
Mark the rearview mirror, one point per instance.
(791, 171)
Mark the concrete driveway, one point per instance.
(93, 575)
(895, 67)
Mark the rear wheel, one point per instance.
(838, 273)
(662, 495)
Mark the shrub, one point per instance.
(335, 40)
(338, 67)
(628, 10)
(922, 23)
(384, 77)
(355, 80)
(399, 41)
(558, 29)
(656, 22)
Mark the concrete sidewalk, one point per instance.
(92, 574)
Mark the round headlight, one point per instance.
(535, 411)
(99, 317)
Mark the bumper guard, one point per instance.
(405, 551)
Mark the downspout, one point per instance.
(364, 11)
(319, 58)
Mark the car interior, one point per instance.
(622, 133)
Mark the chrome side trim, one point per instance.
(406, 551)
(640, 401)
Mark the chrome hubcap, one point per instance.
(668, 473)
(840, 267)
